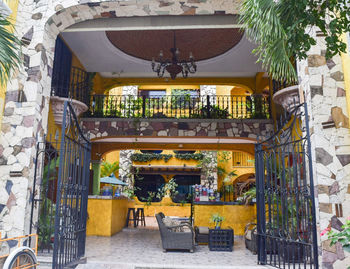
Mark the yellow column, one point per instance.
(346, 70)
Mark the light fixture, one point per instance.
(174, 66)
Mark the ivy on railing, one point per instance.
(180, 107)
(189, 156)
(148, 157)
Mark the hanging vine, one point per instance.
(148, 157)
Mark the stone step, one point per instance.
(92, 265)
(45, 261)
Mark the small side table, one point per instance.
(220, 239)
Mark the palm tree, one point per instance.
(9, 49)
(109, 168)
(281, 30)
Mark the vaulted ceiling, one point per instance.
(219, 48)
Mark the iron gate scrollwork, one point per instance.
(285, 196)
(60, 193)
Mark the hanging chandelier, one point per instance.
(174, 66)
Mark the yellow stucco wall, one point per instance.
(106, 216)
(346, 70)
(52, 127)
(236, 216)
(175, 210)
(167, 206)
(111, 157)
(230, 167)
(13, 5)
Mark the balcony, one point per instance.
(76, 88)
(180, 107)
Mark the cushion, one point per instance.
(248, 235)
(172, 222)
(203, 230)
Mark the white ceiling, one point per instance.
(98, 54)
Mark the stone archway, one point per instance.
(28, 92)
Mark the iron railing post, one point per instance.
(143, 106)
(260, 204)
(312, 192)
(208, 106)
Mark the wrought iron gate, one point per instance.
(285, 196)
(60, 193)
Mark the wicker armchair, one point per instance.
(175, 240)
(250, 238)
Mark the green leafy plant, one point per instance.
(129, 192)
(215, 112)
(147, 157)
(169, 187)
(189, 156)
(217, 219)
(249, 195)
(281, 30)
(150, 198)
(109, 168)
(10, 49)
(343, 237)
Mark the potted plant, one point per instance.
(217, 219)
(249, 196)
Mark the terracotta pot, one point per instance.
(288, 98)
(57, 104)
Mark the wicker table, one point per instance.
(220, 239)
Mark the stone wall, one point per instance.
(207, 90)
(249, 128)
(27, 97)
(125, 163)
(130, 90)
(323, 83)
(209, 175)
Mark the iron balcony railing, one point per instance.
(180, 106)
(76, 86)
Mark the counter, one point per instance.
(106, 214)
(236, 216)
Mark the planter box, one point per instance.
(220, 239)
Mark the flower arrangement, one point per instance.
(343, 237)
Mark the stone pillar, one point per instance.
(130, 90)
(207, 90)
(96, 167)
(125, 164)
(323, 84)
(209, 174)
(25, 119)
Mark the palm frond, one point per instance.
(9, 49)
(261, 22)
(108, 168)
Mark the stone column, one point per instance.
(209, 174)
(130, 90)
(25, 119)
(207, 90)
(96, 167)
(323, 84)
(125, 164)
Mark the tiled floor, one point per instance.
(141, 249)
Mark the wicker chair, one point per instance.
(250, 238)
(175, 240)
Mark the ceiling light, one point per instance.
(173, 66)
